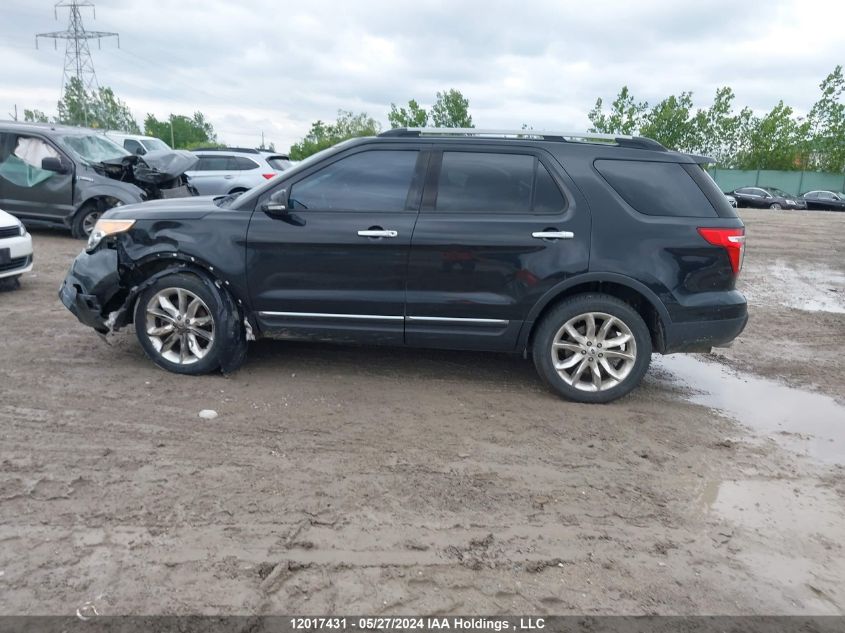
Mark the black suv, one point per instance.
(586, 254)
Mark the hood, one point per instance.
(7, 220)
(172, 208)
(157, 166)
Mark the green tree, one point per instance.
(825, 147)
(187, 132)
(671, 123)
(771, 142)
(98, 109)
(412, 116)
(451, 110)
(35, 116)
(323, 135)
(625, 115)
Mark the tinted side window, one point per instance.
(656, 188)
(376, 180)
(212, 163)
(547, 196)
(484, 182)
(133, 146)
(239, 163)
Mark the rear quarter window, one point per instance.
(654, 188)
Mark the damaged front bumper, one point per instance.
(91, 286)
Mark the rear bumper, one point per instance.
(702, 336)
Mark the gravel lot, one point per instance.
(362, 480)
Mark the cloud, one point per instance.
(265, 66)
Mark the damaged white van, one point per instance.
(69, 176)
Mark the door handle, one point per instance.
(553, 235)
(228, 177)
(378, 233)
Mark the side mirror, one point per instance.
(53, 164)
(277, 204)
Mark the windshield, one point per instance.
(153, 144)
(841, 195)
(93, 148)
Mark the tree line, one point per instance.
(738, 139)
(101, 109)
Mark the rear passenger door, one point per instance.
(210, 176)
(498, 228)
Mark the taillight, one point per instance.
(269, 176)
(732, 240)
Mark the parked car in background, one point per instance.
(767, 198)
(137, 143)
(455, 239)
(825, 200)
(15, 250)
(234, 169)
(731, 200)
(69, 175)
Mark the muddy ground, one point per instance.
(362, 480)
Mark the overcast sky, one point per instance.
(276, 66)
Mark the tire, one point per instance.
(85, 219)
(10, 283)
(776, 206)
(192, 334)
(237, 190)
(624, 322)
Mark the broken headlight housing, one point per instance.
(104, 228)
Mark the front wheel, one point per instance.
(85, 219)
(775, 205)
(184, 325)
(592, 348)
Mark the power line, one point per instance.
(78, 62)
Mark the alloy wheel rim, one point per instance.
(89, 221)
(179, 326)
(594, 351)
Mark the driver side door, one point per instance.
(334, 266)
(28, 191)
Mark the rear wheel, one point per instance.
(177, 321)
(775, 205)
(592, 348)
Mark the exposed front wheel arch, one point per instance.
(187, 324)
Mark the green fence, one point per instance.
(794, 182)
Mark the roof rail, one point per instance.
(546, 135)
(245, 150)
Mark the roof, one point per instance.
(24, 126)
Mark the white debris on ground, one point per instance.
(813, 289)
(208, 414)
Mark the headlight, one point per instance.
(104, 228)
(22, 229)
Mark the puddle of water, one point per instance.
(813, 289)
(809, 422)
(783, 531)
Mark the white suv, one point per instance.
(15, 250)
(138, 143)
(234, 170)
